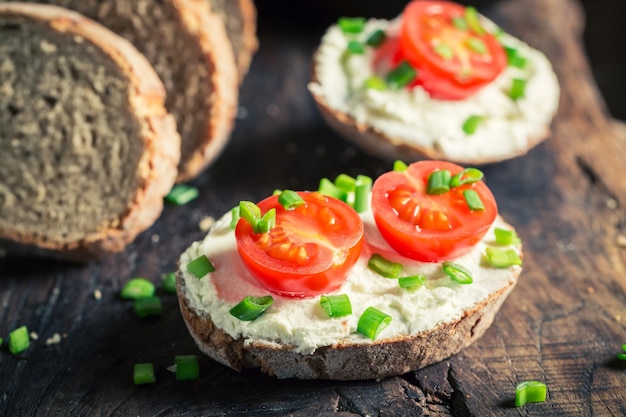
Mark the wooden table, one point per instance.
(563, 324)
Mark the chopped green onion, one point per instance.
(473, 20)
(1, 341)
(250, 307)
(234, 212)
(168, 282)
(375, 83)
(402, 75)
(443, 50)
(181, 194)
(457, 272)
(399, 165)
(187, 367)
(355, 47)
(477, 45)
(502, 258)
(467, 176)
(200, 266)
(138, 288)
(250, 212)
(518, 88)
(530, 392)
(471, 124)
(506, 236)
(376, 38)
(412, 282)
(438, 182)
(459, 23)
(19, 340)
(345, 182)
(351, 24)
(143, 373)
(290, 199)
(149, 306)
(384, 267)
(328, 188)
(336, 305)
(473, 200)
(372, 322)
(267, 222)
(362, 191)
(514, 59)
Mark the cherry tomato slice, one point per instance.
(309, 251)
(452, 62)
(428, 227)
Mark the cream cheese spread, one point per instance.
(305, 326)
(413, 117)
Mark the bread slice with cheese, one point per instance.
(294, 338)
(88, 148)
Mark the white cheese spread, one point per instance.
(413, 117)
(303, 324)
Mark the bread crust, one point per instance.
(157, 168)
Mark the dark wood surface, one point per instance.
(563, 324)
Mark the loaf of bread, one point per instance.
(88, 148)
(188, 46)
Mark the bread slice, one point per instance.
(409, 125)
(88, 148)
(349, 357)
(187, 45)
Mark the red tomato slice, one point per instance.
(309, 251)
(428, 227)
(452, 63)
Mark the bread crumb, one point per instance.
(621, 241)
(206, 223)
(242, 113)
(34, 336)
(97, 294)
(618, 318)
(56, 291)
(590, 290)
(56, 338)
(611, 203)
(47, 47)
(155, 238)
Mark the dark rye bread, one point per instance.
(187, 45)
(88, 149)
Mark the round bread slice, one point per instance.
(437, 332)
(408, 124)
(187, 45)
(88, 148)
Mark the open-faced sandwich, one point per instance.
(353, 281)
(440, 81)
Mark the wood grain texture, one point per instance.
(563, 323)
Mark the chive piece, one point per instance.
(234, 214)
(19, 340)
(168, 282)
(250, 212)
(351, 24)
(149, 306)
(250, 307)
(530, 392)
(459, 23)
(438, 182)
(376, 38)
(187, 367)
(514, 59)
(518, 88)
(473, 200)
(345, 182)
(372, 322)
(506, 236)
(355, 47)
(477, 45)
(467, 176)
(384, 267)
(621, 356)
(290, 200)
(457, 272)
(181, 194)
(137, 288)
(471, 124)
(200, 266)
(362, 191)
(143, 373)
(402, 75)
(473, 20)
(267, 222)
(1, 341)
(336, 305)
(412, 282)
(328, 188)
(444, 51)
(375, 83)
(502, 258)
(399, 165)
